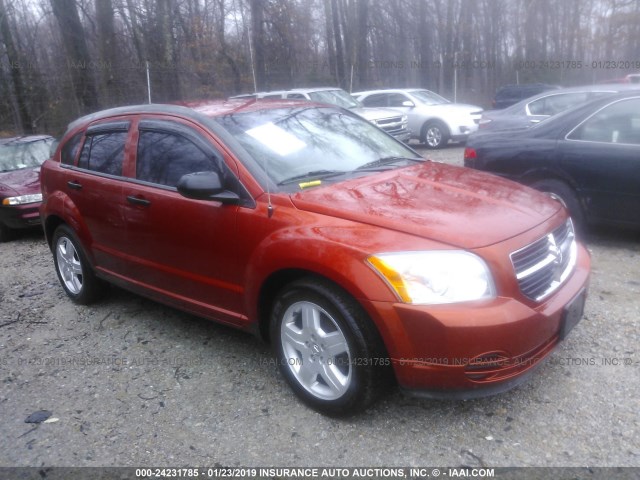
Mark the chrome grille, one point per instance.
(544, 265)
(393, 125)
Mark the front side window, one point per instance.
(616, 123)
(103, 153)
(396, 99)
(376, 100)
(427, 97)
(164, 157)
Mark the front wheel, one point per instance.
(435, 134)
(565, 195)
(327, 348)
(73, 268)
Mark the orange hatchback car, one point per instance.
(361, 262)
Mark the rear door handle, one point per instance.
(74, 185)
(138, 200)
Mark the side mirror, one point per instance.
(205, 186)
(408, 103)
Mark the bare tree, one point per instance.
(79, 61)
(15, 68)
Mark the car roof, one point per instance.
(393, 90)
(607, 88)
(23, 139)
(194, 109)
(311, 90)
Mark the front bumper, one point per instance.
(479, 348)
(20, 216)
(460, 132)
(403, 136)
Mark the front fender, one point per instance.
(312, 250)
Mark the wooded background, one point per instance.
(64, 58)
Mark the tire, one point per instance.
(435, 134)
(327, 348)
(74, 270)
(565, 194)
(6, 234)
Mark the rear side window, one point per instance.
(554, 104)
(164, 157)
(104, 153)
(616, 123)
(70, 149)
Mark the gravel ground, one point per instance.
(130, 382)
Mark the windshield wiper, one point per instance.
(315, 175)
(384, 161)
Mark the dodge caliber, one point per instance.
(362, 263)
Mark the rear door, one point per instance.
(602, 155)
(179, 247)
(94, 185)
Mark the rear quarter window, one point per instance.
(104, 153)
(70, 149)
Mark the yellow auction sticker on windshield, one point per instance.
(312, 183)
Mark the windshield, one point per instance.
(335, 97)
(429, 98)
(19, 155)
(312, 141)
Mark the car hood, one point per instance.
(457, 206)
(375, 113)
(20, 182)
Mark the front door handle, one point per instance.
(74, 185)
(138, 200)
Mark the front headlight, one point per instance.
(445, 276)
(22, 199)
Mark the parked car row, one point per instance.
(388, 120)
(432, 119)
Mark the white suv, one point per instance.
(389, 120)
(433, 120)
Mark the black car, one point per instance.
(588, 157)
(510, 94)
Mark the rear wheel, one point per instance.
(327, 348)
(565, 194)
(435, 134)
(6, 234)
(73, 268)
